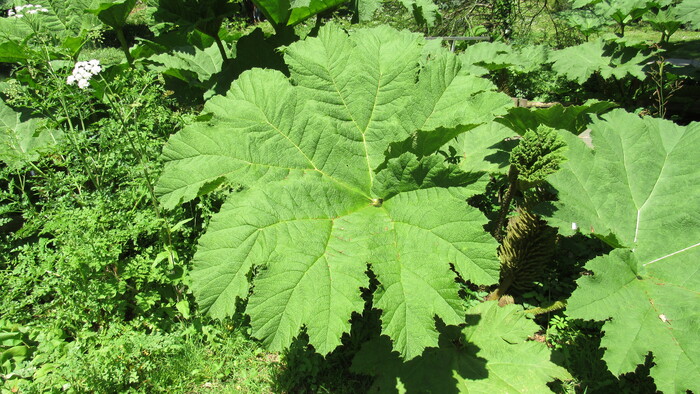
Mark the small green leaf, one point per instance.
(183, 307)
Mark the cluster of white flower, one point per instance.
(83, 71)
(28, 9)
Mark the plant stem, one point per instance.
(125, 47)
(137, 148)
(505, 205)
(221, 47)
(71, 136)
(660, 89)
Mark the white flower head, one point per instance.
(28, 9)
(83, 71)
(574, 226)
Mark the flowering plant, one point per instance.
(27, 9)
(83, 71)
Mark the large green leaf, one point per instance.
(426, 12)
(318, 209)
(21, 141)
(490, 56)
(113, 13)
(14, 29)
(638, 190)
(486, 148)
(66, 18)
(190, 64)
(11, 52)
(281, 13)
(300, 13)
(689, 11)
(574, 118)
(579, 62)
(492, 355)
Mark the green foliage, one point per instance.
(585, 21)
(63, 19)
(106, 266)
(22, 141)
(689, 12)
(622, 12)
(189, 357)
(664, 21)
(491, 56)
(83, 266)
(113, 13)
(647, 286)
(573, 118)
(425, 12)
(203, 15)
(190, 64)
(610, 60)
(477, 359)
(15, 347)
(318, 144)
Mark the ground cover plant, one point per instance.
(321, 202)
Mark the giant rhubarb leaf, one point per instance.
(190, 64)
(493, 355)
(689, 11)
(579, 62)
(323, 200)
(638, 191)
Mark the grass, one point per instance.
(107, 56)
(643, 32)
(684, 44)
(237, 364)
